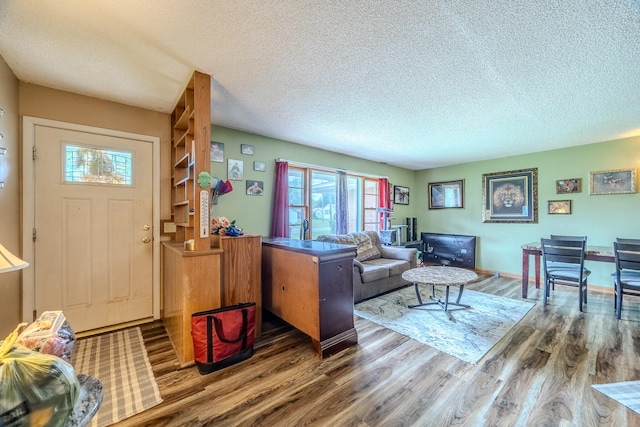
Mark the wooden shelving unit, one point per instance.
(191, 139)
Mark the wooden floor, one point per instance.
(540, 374)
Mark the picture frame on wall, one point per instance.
(259, 166)
(400, 195)
(246, 149)
(235, 170)
(510, 197)
(618, 181)
(217, 152)
(570, 185)
(447, 194)
(559, 207)
(255, 188)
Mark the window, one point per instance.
(312, 197)
(84, 164)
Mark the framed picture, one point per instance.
(449, 194)
(571, 185)
(235, 169)
(255, 188)
(246, 149)
(400, 195)
(559, 207)
(217, 152)
(510, 196)
(259, 166)
(619, 181)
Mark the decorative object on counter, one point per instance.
(223, 227)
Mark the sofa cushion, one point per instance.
(367, 249)
(373, 272)
(395, 266)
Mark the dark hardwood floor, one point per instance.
(540, 374)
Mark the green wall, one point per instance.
(601, 217)
(253, 213)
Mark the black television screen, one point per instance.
(449, 249)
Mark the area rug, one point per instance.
(119, 360)
(627, 393)
(472, 333)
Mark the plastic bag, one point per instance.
(50, 334)
(35, 389)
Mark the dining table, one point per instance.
(592, 253)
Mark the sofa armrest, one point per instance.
(357, 266)
(406, 254)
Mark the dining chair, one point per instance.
(626, 279)
(563, 261)
(560, 264)
(625, 240)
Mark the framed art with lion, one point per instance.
(510, 196)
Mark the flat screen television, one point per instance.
(449, 249)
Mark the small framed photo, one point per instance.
(448, 194)
(259, 166)
(400, 195)
(510, 197)
(619, 181)
(559, 207)
(571, 185)
(235, 169)
(246, 149)
(255, 188)
(217, 152)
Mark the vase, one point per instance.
(216, 241)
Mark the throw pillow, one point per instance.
(366, 249)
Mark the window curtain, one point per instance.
(280, 214)
(342, 204)
(384, 201)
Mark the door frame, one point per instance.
(29, 124)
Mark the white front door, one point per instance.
(93, 221)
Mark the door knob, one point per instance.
(146, 239)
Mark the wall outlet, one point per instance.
(169, 227)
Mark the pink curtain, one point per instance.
(280, 215)
(384, 199)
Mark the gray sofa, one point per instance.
(377, 268)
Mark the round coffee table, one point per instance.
(439, 276)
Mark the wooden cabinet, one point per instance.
(191, 145)
(241, 273)
(191, 284)
(309, 284)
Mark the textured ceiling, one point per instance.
(413, 84)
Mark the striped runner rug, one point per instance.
(627, 393)
(119, 360)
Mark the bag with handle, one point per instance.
(223, 337)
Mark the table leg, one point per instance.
(418, 293)
(459, 294)
(537, 261)
(525, 272)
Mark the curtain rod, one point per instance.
(309, 165)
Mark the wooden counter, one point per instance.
(309, 284)
(191, 283)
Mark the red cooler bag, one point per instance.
(223, 337)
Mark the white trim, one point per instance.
(28, 203)
(327, 168)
